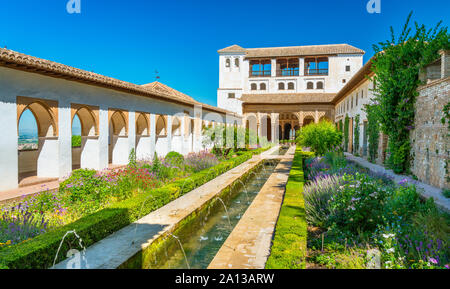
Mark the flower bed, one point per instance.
(114, 209)
(354, 215)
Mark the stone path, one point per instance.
(248, 245)
(119, 247)
(426, 190)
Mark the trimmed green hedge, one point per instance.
(289, 245)
(39, 252)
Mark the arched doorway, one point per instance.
(143, 142)
(287, 131)
(308, 120)
(176, 135)
(118, 138)
(85, 146)
(38, 141)
(161, 147)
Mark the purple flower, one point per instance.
(432, 260)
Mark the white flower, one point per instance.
(387, 236)
(391, 250)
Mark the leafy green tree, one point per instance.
(396, 66)
(320, 137)
(373, 130)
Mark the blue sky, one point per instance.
(131, 39)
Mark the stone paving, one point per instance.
(248, 245)
(425, 190)
(120, 246)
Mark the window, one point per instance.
(347, 68)
(231, 95)
(288, 67)
(253, 86)
(281, 86)
(260, 68)
(236, 62)
(291, 86)
(319, 85)
(344, 80)
(316, 66)
(227, 62)
(310, 85)
(262, 86)
(357, 96)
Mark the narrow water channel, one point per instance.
(281, 151)
(202, 239)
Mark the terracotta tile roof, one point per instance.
(310, 50)
(287, 98)
(232, 48)
(160, 87)
(359, 76)
(20, 61)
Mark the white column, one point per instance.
(9, 161)
(64, 159)
(103, 130)
(301, 63)
(152, 134)
(274, 67)
(169, 133)
(131, 131)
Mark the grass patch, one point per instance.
(289, 245)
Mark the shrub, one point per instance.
(83, 185)
(202, 160)
(317, 195)
(174, 159)
(359, 205)
(320, 137)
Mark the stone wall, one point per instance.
(430, 138)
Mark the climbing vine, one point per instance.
(340, 125)
(346, 128)
(396, 67)
(373, 130)
(356, 134)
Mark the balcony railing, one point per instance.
(287, 72)
(261, 73)
(317, 71)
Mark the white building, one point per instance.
(116, 117)
(294, 85)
